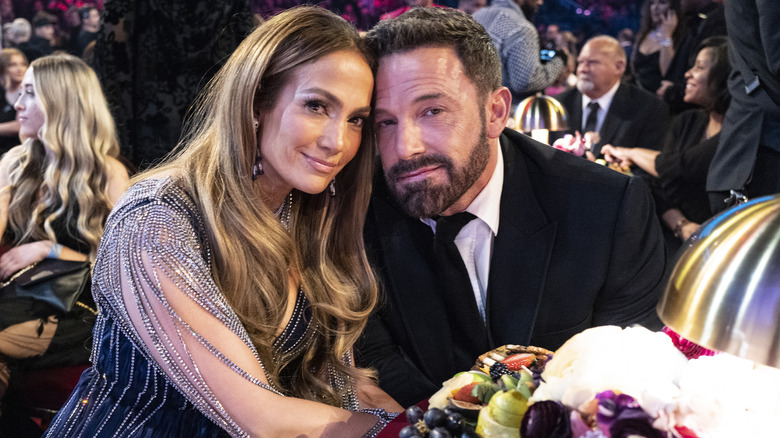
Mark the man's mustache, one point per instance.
(407, 166)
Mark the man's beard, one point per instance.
(584, 85)
(428, 199)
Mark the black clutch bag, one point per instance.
(58, 283)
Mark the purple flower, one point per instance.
(619, 415)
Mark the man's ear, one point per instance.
(498, 106)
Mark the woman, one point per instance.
(56, 190)
(655, 43)
(13, 64)
(681, 169)
(232, 281)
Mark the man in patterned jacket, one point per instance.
(508, 22)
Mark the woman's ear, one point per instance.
(499, 103)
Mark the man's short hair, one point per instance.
(43, 19)
(441, 27)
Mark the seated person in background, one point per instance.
(231, 283)
(701, 19)
(13, 64)
(557, 244)
(56, 190)
(509, 24)
(681, 168)
(621, 114)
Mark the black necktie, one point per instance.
(469, 335)
(593, 117)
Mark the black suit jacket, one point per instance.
(752, 119)
(578, 246)
(635, 118)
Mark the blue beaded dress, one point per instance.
(154, 233)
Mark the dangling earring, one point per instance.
(332, 187)
(257, 170)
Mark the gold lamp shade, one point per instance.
(540, 112)
(724, 293)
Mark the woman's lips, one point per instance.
(320, 165)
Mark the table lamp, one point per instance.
(538, 115)
(724, 293)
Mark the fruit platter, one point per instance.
(602, 383)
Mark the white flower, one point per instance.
(634, 361)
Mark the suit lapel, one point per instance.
(406, 244)
(521, 254)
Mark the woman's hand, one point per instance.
(23, 255)
(371, 396)
(617, 154)
(669, 22)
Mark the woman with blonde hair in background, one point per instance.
(13, 64)
(56, 190)
(232, 281)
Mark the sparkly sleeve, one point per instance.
(153, 276)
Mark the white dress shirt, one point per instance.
(475, 239)
(604, 102)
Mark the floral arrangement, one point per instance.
(610, 382)
(633, 382)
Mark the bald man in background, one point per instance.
(626, 115)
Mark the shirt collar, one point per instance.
(487, 205)
(604, 101)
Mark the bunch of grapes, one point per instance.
(436, 423)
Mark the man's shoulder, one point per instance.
(634, 93)
(499, 13)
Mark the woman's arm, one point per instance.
(644, 158)
(668, 25)
(675, 220)
(26, 254)
(117, 180)
(193, 335)
(8, 129)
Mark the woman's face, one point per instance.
(29, 111)
(696, 78)
(15, 69)
(316, 124)
(658, 9)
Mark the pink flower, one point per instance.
(573, 144)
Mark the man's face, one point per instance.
(45, 31)
(431, 129)
(598, 70)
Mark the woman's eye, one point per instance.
(316, 106)
(358, 121)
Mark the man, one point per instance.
(558, 245)
(32, 45)
(509, 24)
(702, 19)
(625, 115)
(40, 42)
(90, 24)
(748, 155)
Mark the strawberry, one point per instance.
(517, 361)
(464, 394)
